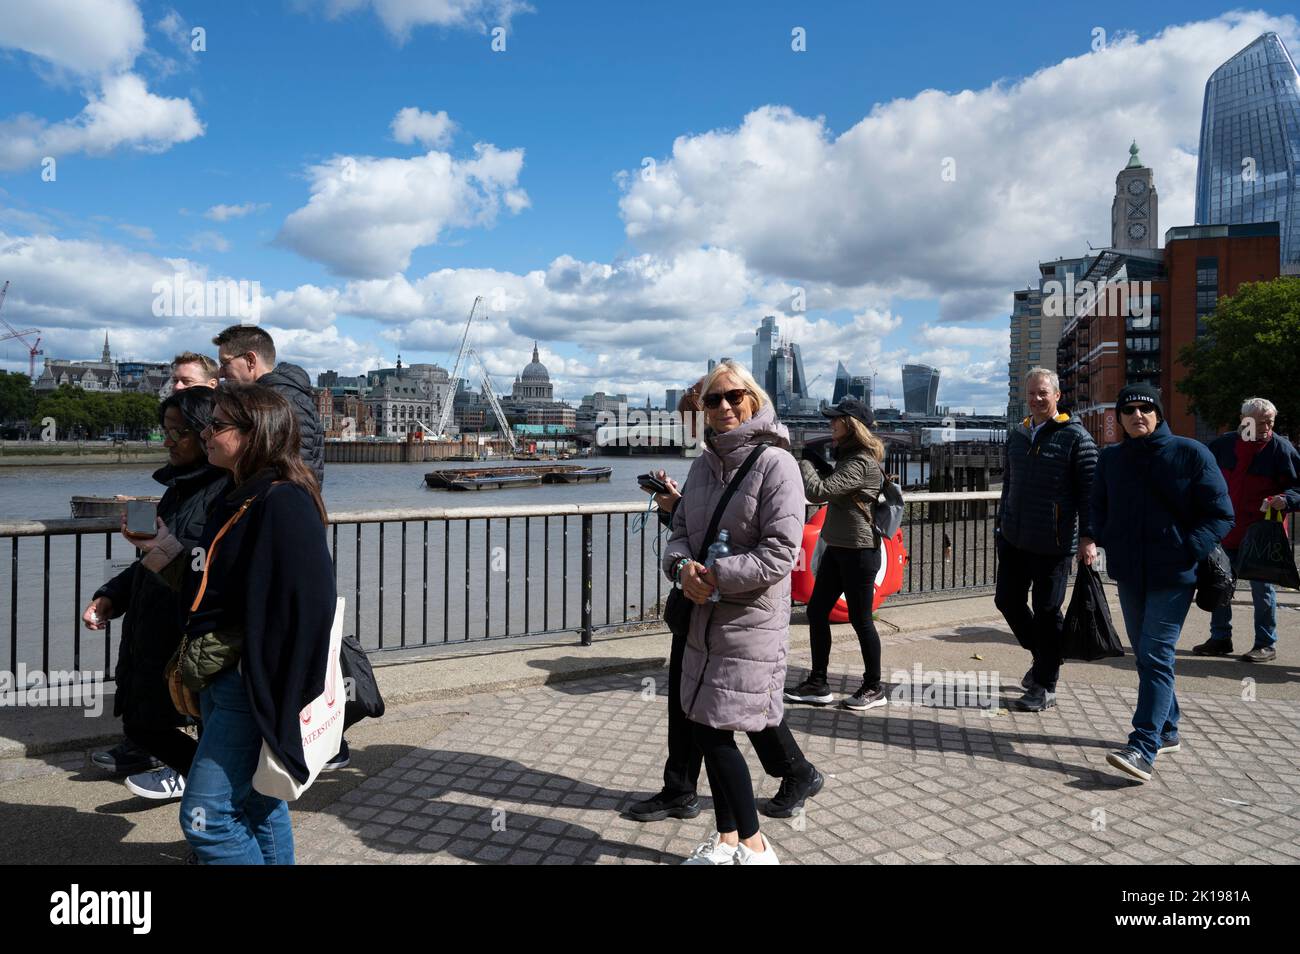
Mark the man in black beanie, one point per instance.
(1159, 506)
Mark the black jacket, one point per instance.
(1159, 504)
(151, 630)
(294, 386)
(271, 578)
(1046, 485)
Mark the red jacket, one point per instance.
(1255, 470)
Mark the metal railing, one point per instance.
(429, 578)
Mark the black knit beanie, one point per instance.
(1140, 394)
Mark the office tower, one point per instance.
(1248, 169)
(920, 388)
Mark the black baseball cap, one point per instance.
(852, 407)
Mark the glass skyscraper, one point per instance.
(1249, 165)
(920, 388)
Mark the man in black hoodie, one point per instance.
(246, 354)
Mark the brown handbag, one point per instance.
(184, 698)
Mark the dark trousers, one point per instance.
(776, 747)
(733, 793)
(853, 573)
(1037, 629)
(171, 746)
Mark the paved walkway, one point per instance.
(539, 774)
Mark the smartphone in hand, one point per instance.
(651, 484)
(142, 518)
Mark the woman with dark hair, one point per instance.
(151, 630)
(851, 560)
(256, 641)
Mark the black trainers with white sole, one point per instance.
(867, 697)
(813, 692)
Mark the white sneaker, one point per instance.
(715, 852)
(162, 784)
(747, 856)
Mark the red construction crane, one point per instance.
(11, 332)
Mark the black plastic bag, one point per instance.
(1088, 633)
(1215, 580)
(364, 700)
(1265, 553)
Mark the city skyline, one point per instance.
(631, 257)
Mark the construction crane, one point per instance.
(494, 403)
(455, 373)
(11, 332)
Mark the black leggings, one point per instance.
(853, 573)
(733, 792)
(775, 746)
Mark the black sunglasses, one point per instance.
(734, 397)
(216, 427)
(1128, 410)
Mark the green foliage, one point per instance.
(16, 398)
(92, 414)
(1251, 348)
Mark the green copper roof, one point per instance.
(1133, 161)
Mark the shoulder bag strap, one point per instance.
(726, 499)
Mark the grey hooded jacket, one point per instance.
(733, 671)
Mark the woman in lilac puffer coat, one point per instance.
(734, 668)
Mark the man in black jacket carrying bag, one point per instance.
(1043, 520)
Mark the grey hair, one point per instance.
(1258, 405)
(1044, 373)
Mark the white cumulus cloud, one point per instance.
(432, 130)
(367, 215)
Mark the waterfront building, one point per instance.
(920, 389)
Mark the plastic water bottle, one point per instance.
(718, 548)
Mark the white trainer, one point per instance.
(747, 856)
(715, 852)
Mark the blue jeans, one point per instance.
(1264, 596)
(1154, 620)
(225, 821)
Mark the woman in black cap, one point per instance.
(1159, 506)
(851, 559)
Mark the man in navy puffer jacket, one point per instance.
(1159, 506)
(1042, 518)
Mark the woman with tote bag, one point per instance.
(257, 644)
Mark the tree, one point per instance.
(17, 402)
(1251, 348)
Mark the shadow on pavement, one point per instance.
(420, 820)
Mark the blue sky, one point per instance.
(782, 178)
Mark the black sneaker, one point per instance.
(1130, 761)
(1036, 699)
(866, 697)
(1170, 743)
(665, 805)
(125, 758)
(342, 759)
(1214, 647)
(812, 691)
(792, 793)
